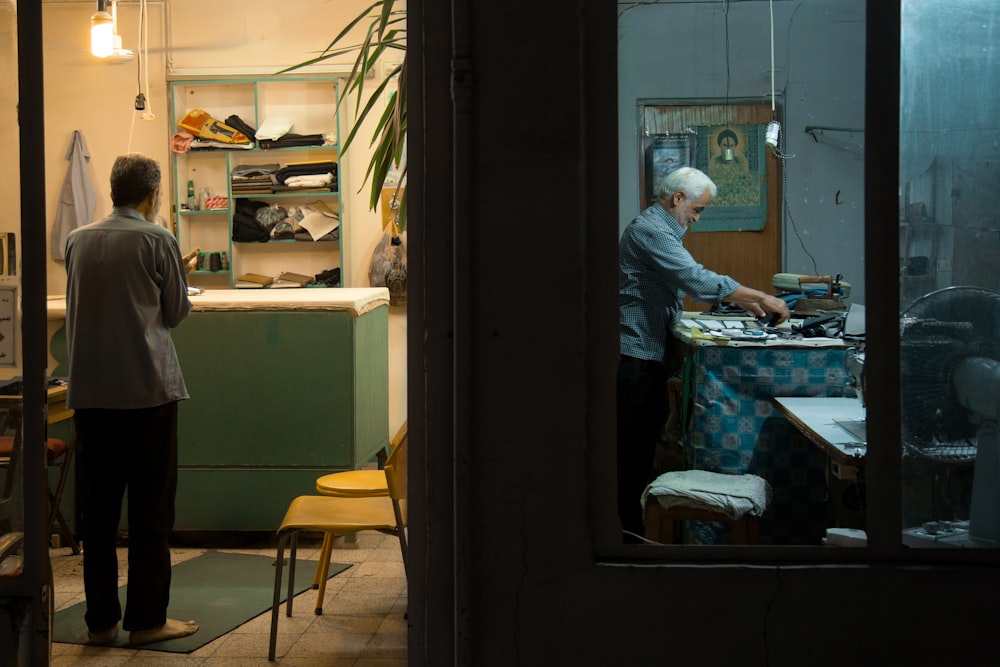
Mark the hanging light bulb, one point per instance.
(772, 134)
(102, 32)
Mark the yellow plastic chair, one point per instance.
(338, 515)
(353, 484)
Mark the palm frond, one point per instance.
(385, 31)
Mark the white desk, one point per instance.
(817, 417)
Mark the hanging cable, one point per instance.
(774, 127)
(788, 214)
(144, 56)
(773, 113)
(729, 112)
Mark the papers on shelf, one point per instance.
(320, 220)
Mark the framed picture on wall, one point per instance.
(662, 153)
(733, 156)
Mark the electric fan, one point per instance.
(950, 374)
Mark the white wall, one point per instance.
(184, 36)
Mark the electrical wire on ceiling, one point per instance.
(143, 100)
(773, 133)
(143, 60)
(729, 115)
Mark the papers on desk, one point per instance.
(727, 329)
(713, 325)
(698, 329)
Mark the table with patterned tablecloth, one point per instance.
(733, 426)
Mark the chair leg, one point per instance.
(324, 552)
(323, 571)
(272, 642)
(291, 573)
(400, 529)
(401, 532)
(55, 513)
(64, 530)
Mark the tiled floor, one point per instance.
(362, 624)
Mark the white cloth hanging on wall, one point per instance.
(77, 199)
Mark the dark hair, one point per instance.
(133, 178)
(727, 134)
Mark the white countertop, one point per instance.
(358, 300)
(818, 417)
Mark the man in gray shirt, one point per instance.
(126, 288)
(656, 271)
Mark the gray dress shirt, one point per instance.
(656, 271)
(126, 288)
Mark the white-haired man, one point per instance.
(656, 272)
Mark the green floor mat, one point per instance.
(221, 591)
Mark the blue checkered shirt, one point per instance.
(656, 271)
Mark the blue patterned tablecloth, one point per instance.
(735, 428)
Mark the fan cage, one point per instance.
(937, 333)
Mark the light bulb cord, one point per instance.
(771, 7)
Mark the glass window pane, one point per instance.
(950, 303)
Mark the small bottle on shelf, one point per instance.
(192, 201)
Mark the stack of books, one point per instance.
(288, 279)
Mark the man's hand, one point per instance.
(760, 304)
(777, 308)
(191, 260)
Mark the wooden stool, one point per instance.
(700, 495)
(663, 524)
(58, 455)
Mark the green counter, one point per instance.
(278, 398)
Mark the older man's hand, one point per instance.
(191, 260)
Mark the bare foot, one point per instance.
(104, 636)
(172, 629)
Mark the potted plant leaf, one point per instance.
(384, 31)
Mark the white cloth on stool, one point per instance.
(734, 495)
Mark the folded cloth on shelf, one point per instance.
(282, 231)
(254, 170)
(292, 139)
(208, 144)
(246, 227)
(300, 188)
(253, 187)
(303, 235)
(305, 169)
(329, 277)
(309, 181)
(734, 495)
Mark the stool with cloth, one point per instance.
(685, 495)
